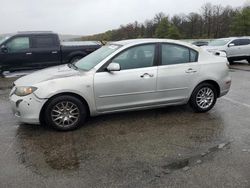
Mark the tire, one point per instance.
(75, 59)
(65, 113)
(197, 98)
(1, 74)
(230, 61)
(248, 60)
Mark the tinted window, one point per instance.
(44, 41)
(175, 54)
(193, 56)
(136, 57)
(240, 42)
(18, 44)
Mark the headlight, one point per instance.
(23, 91)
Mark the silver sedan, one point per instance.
(121, 76)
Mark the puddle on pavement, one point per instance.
(107, 138)
(194, 160)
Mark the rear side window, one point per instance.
(44, 42)
(176, 54)
(193, 56)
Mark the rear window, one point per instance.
(44, 41)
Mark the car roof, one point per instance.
(35, 32)
(23, 33)
(233, 38)
(132, 42)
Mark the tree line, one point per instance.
(213, 21)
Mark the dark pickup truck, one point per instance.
(36, 50)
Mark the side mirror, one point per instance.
(4, 49)
(113, 67)
(231, 44)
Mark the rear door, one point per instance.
(18, 55)
(45, 50)
(177, 73)
(133, 86)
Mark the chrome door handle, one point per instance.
(190, 70)
(28, 53)
(54, 52)
(147, 75)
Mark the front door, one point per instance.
(18, 54)
(240, 48)
(131, 87)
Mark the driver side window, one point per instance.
(136, 57)
(18, 44)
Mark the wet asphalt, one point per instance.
(168, 147)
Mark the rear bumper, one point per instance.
(27, 109)
(224, 92)
(225, 87)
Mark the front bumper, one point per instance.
(27, 109)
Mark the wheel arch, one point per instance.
(212, 82)
(76, 54)
(82, 99)
(68, 57)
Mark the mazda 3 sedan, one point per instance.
(121, 76)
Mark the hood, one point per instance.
(46, 74)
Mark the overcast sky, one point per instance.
(86, 17)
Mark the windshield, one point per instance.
(219, 42)
(91, 60)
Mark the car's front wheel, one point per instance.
(65, 113)
(230, 60)
(75, 59)
(203, 97)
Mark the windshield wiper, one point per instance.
(72, 65)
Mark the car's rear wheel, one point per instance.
(248, 60)
(203, 97)
(65, 113)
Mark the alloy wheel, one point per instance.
(205, 97)
(65, 114)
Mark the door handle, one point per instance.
(190, 70)
(147, 75)
(28, 53)
(54, 52)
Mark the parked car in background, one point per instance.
(35, 50)
(200, 43)
(121, 76)
(236, 48)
